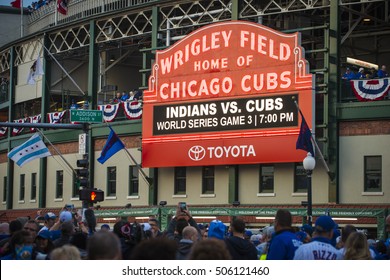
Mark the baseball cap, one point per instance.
(361, 69)
(106, 226)
(44, 234)
(50, 215)
(307, 228)
(217, 229)
(65, 216)
(324, 224)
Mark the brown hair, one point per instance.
(356, 247)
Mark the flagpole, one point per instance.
(330, 174)
(21, 18)
(146, 178)
(63, 69)
(58, 152)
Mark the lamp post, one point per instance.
(308, 164)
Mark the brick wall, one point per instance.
(380, 127)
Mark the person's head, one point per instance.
(50, 219)
(154, 225)
(383, 67)
(324, 227)
(4, 228)
(118, 95)
(283, 220)
(66, 252)
(387, 224)
(267, 233)
(15, 226)
(190, 233)
(356, 247)
(32, 227)
(347, 230)
(237, 227)
(43, 241)
(180, 225)
(104, 245)
(209, 249)
(155, 249)
(308, 229)
(217, 230)
(67, 228)
(105, 227)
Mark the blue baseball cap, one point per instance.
(324, 224)
(217, 230)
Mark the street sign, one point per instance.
(82, 144)
(89, 116)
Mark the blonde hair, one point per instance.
(356, 247)
(66, 252)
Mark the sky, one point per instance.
(8, 2)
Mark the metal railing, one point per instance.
(46, 16)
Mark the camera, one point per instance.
(183, 206)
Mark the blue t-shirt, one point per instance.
(283, 245)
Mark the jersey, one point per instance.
(318, 249)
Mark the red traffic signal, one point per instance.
(91, 195)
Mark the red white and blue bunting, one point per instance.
(3, 131)
(109, 111)
(370, 90)
(34, 119)
(18, 130)
(56, 117)
(133, 109)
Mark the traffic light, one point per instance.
(83, 172)
(91, 195)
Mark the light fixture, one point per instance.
(308, 164)
(205, 217)
(142, 218)
(236, 203)
(344, 219)
(163, 203)
(366, 19)
(265, 218)
(112, 58)
(109, 219)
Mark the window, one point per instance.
(33, 195)
(59, 183)
(22, 187)
(208, 180)
(180, 180)
(300, 181)
(5, 189)
(111, 181)
(133, 180)
(266, 179)
(373, 174)
(76, 186)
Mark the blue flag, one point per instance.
(304, 139)
(112, 146)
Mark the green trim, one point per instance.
(235, 10)
(233, 183)
(364, 110)
(330, 107)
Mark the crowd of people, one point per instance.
(372, 73)
(132, 95)
(71, 237)
(38, 4)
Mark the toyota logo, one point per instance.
(196, 153)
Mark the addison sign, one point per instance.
(225, 95)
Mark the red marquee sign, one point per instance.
(225, 95)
